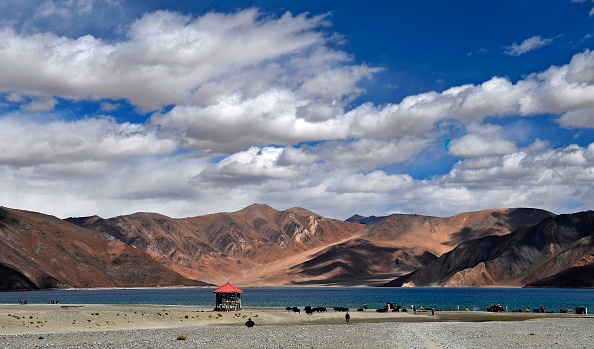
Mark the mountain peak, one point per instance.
(364, 220)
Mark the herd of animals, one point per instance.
(309, 310)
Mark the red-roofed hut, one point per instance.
(228, 297)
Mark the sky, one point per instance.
(186, 108)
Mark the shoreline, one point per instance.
(173, 326)
(47, 318)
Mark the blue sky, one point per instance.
(112, 107)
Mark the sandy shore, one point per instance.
(131, 326)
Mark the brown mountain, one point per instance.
(221, 246)
(359, 261)
(262, 246)
(254, 246)
(401, 243)
(440, 235)
(40, 251)
(576, 277)
(554, 252)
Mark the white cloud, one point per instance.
(580, 68)
(14, 98)
(533, 166)
(235, 123)
(355, 154)
(266, 163)
(108, 107)
(113, 169)
(577, 119)
(377, 182)
(169, 59)
(559, 180)
(556, 90)
(255, 164)
(271, 87)
(482, 140)
(27, 142)
(109, 187)
(530, 44)
(259, 110)
(39, 105)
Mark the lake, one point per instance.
(351, 297)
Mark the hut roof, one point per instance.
(228, 288)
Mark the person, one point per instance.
(364, 307)
(250, 322)
(432, 311)
(347, 317)
(414, 309)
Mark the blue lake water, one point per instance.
(351, 297)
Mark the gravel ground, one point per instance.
(546, 332)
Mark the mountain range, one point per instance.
(259, 246)
(39, 251)
(555, 252)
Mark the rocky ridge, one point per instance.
(259, 246)
(557, 251)
(40, 251)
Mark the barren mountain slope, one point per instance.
(573, 277)
(221, 246)
(359, 261)
(439, 235)
(524, 256)
(262, 246)
(401, 243)
(40, 251)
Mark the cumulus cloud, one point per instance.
(559, 180)
(255, 164)
(252, 108)
(527, 177)
(580, 68)
(39, 105)
(572, 165)
(355, 154)
(25, 141)
(259, 164)
(109, 187)
(577, 119)
(530, 44)
(282, 83)
(374, 182)
(235, 123)
(482, 140)
(169, 58)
